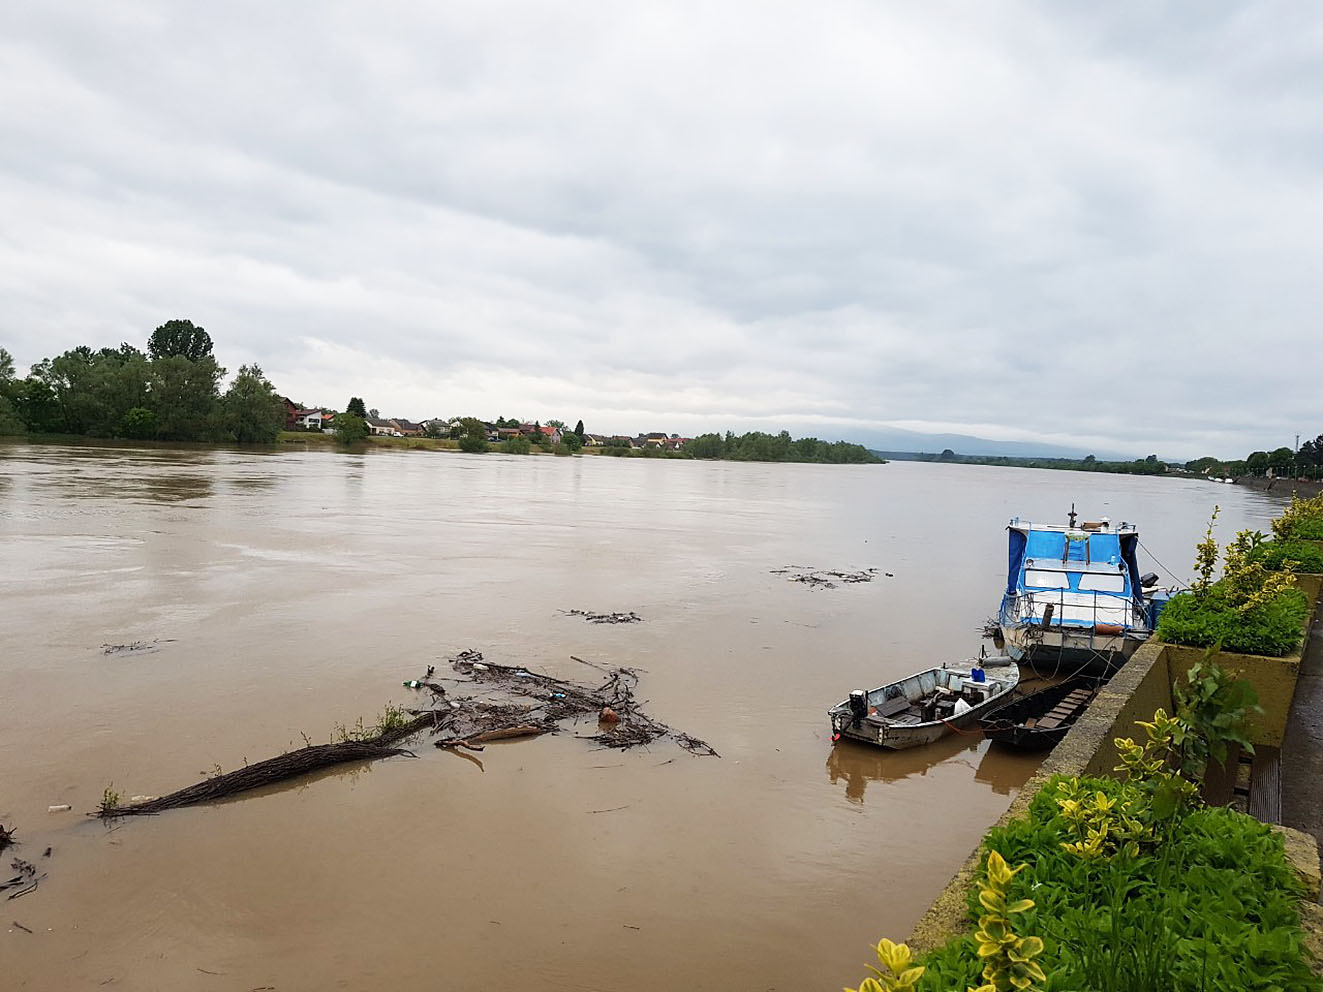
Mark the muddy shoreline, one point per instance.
(1283, 487)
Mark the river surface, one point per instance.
(279, 594)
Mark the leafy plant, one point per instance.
(109, 802)
(1212, 711)
(1288, 555)
(1302, 519)
(895, 973)
(1205, 559)
(1274, 628)
(1008, 959)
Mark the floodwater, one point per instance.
(279, 594)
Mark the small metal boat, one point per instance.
(1038, 721)
(924, 707)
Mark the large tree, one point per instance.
(356, 407)
(183, 395)
(179, 339)
(251, 409)
(350, 428)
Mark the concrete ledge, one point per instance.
(1302, 855)
(1273, 679)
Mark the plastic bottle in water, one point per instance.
(413, 684)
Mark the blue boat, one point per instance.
(1074, 599)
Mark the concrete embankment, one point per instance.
(1284, 487)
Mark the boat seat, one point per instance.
(1065, 709)
(890, 707)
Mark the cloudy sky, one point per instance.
(1094, 223)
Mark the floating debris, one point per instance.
(25, 881)
(6, 837)
(526, 704)
(630, 617)
(136, 647)
(825, 578)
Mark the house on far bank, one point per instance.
(595, 440)
(407, 427)
(552, 434)
(292, 411)
(308, 420)
(381, 427)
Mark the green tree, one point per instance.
(1257, 463)
(35, 403)
(947, 455)
(94, 389)
(350, 428)
(179, 339)
(251, 410)
(706, 446)
(139, 423)
(184, 394)
(572, 441)
(356, 407)
(6, 368)
(517, 445)
(474, 438)
(1282, 461)
(578, 429)
(558, 424)
(436, 429)
(10, 421)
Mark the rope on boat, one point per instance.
(968, 733)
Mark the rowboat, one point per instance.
(1038, 721)
(925, 706)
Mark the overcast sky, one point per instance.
(1093, 223)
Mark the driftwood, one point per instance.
(6, 837)
(292, 764)
(531, 704)
(25, 881)
(630, 617)
(824, 578)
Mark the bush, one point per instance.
(1299, 554)
(138, 423)
(514, 446)
(1214, 906)
(473, 444)
(1302, 519)
(1273, 628)
(350, 428)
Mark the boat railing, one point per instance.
(1099, 613)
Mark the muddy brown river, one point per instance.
(276, 595)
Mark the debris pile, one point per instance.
(824, 578)
(517, 703)
(630, 617)
(6, 836)
(25, 881)
(136, 647)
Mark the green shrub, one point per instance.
(473, 444)
(1299, 554)
(1273, 628)
(1215, 906)
(518, 445)
(1302, 519)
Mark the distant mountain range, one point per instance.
(896, 440)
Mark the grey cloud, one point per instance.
(865, 214)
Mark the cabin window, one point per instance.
(1041, 578)
(1102, 582)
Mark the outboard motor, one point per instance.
(1148, 580)
(858, 705)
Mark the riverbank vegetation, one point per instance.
(1130, 883)
(170, 392)
(757, 446)
(1151, 465)
(1307, 463)
(1252, 609)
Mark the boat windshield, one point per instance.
(1043, 578)
(1102, 582)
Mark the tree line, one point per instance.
(170, 392)
(1307, 463)
(1152, 465)
(757, 446)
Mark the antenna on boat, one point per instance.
(1073, 515)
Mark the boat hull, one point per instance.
(1016, 723)
(904, 731)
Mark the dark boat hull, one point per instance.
(1018, 723)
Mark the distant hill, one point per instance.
(895, 443)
